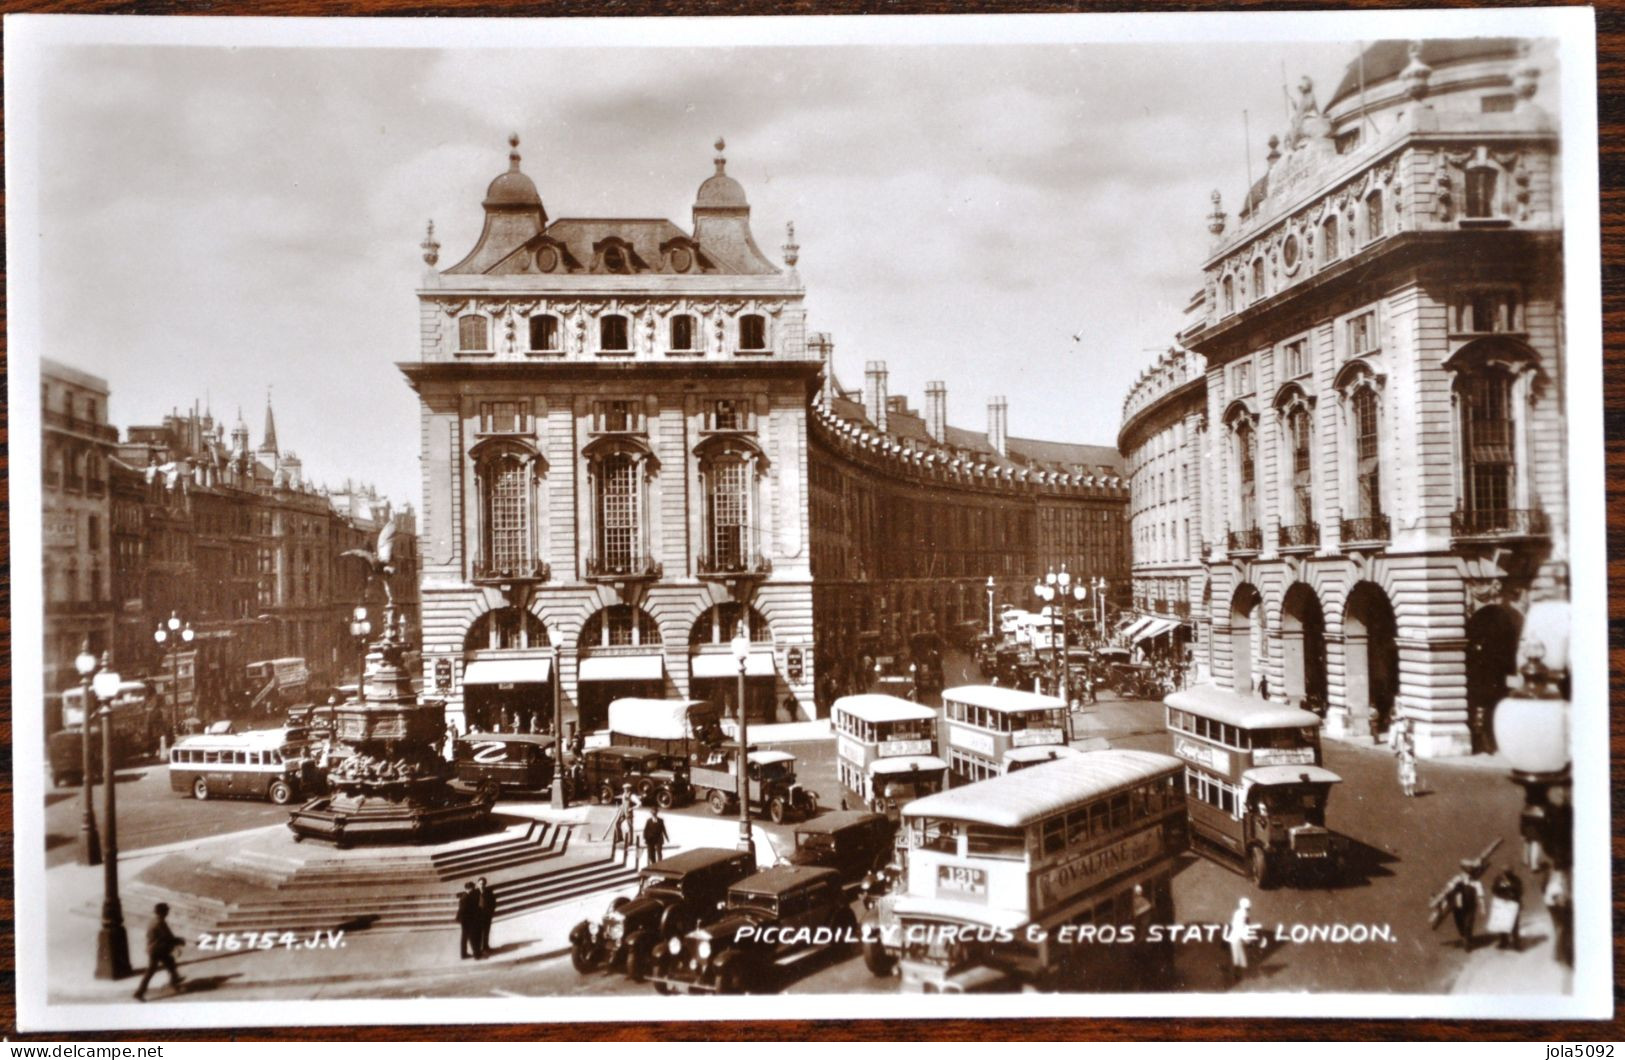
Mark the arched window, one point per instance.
(1488, 471)
(619, 626)
(682, 333)
(753, 332)
(1373, 215)
(1367, 453)
(1481, 186)
(719, 624)
(1328, 239)
(473, 333)
(1299, 437)
(1257, 279)
(618, 508)
(544, 332)
(613, 333)
(505, 628)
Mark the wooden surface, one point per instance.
(1611, 156)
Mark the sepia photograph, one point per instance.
(689, 519)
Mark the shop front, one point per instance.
(508, 692)
(714, 676)
(607, 675)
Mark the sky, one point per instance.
(219, 224)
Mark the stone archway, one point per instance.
(1246, 638)
(1371, 650)
(1303, 648)
(1492, 657)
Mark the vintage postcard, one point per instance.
(532, 521)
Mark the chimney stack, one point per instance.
(936, 411)
(875, 401)
(820, 343)
(998, 425)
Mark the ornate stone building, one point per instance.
(1163, 441)
(1383, 490)
(614, 455)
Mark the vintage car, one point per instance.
(774, 791)
(674, 895)
(518, 761)
(854, 843)
(769, 920)
(605, 771)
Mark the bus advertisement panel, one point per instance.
(987, 722)
(886, 750)
(1005, 877)
(1257, 789)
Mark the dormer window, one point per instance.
(613, 334)
(473, 333)
(615, 260)
(753, 332)
(682, 333)
(544, 333)
(681, 259)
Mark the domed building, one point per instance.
(1380, 461)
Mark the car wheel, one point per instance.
(664, 798)
(875, 958)
(200, 789)
(1263, 872)
(846, 928)
(719, 803)
(645, 789)
(675, 922)
(581, 958)
(736, 978)
(776, 809)
(280, 793)
(606, 794)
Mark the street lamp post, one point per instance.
(112, 943)
(990, 605)
(1059, 587)
(1099, 586)
(89, 842)
(169, 636)
(360, 629)
(741, 654)
(557, 800)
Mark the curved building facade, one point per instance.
(1382, 492)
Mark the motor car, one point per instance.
(774, 791)
(854, 843)
(674, 896)
(768, 922)
(605, 771)
(517, 761)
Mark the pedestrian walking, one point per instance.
(1406, 755)
(654, 835)
(1241, 931)
(1556, 896)
(161, 946)
(1464, 895)
(1506, 910)
(488, 912)
(468, 919)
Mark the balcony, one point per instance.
(490, 572)
(1245, 542)
(1369, 530)
(100, 431)
(713, 565)
(1496, 524)
(622, 568)
(1303, 537)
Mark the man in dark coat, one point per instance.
(654, 835)
(161, 947)
(488, 913)
(468, 918)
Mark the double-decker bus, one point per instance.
(886, 750)
(1257, 791)
(138, 730)
(987, 722)
(1048, 878)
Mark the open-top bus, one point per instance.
(886, 750)
(1257, 791)
(985, 722)
(1048, 878)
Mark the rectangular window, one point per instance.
(1297, 358)
(1481, 181)
(727, 414)
(504, 417)
(1373, 215)
(612, 334)
(473, 333)
(544, 332)
(618, 513)
(1241, 379)
(1328, 239)
(753, 332)
(682, 332)
(1363, 334)
(94, 536)
(616, 416)
(1498, 104)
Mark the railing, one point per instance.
(635, 567)
(104, 431)
(1367, 528)
(1301, 535)
(707, 563)
(1500, 522)
(537, 571)
(1246, 540)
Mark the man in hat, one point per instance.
(161, 946)
(487, 902)
(468, 919)
(1464, 894)
(654, 835)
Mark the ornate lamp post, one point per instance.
(1099, 586)
(1059, 587)
(990, 631)
(360, 629)
(557, 800)
(112, 944)
(741, 654)
(169, 636)
(89, 842)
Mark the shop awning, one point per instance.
(507, 672)
(1134, 628)
(650, 667)
(757, 664)
(1155, 628)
